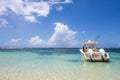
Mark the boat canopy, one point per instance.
(90, 43)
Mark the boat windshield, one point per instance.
(90, 45)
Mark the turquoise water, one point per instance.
(55, 64)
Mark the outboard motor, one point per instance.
(104, 54)
(102, 51)
(91, 54)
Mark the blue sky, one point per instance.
(59, 23)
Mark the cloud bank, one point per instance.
(13, 42)
(31, 9)
(62, 36)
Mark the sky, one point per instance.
(59, 23)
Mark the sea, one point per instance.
(56, 64)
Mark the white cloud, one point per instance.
(62, 37)
(3, 21)
(68, 1)
(25, 7)
(3, 7)
(36, 42)
(13, 42)
(30, 8)
(39, 8)
(60, 8)
(60, 2)
(30, 19)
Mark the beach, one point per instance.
(55, 64)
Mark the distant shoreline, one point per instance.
(52, 48)
(107, 49)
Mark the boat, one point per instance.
(91, 53)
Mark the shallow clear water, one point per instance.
(55, 64)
